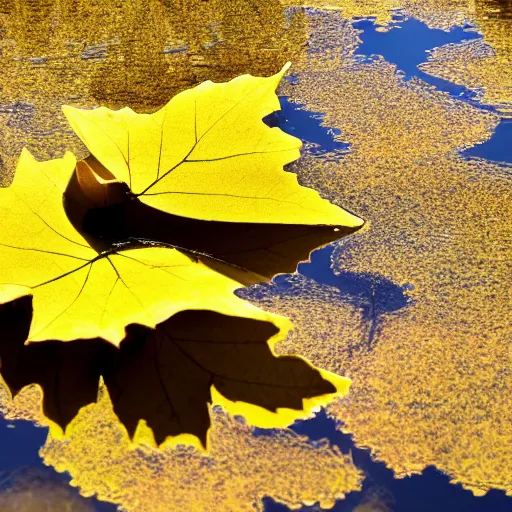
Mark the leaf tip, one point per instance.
(186, 439)
(358, 221)
(286, 67)
(279, 76)
(70, 113)
(349, 220)
(342, 384)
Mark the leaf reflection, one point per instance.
(165, 376)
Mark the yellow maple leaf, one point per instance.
(80, 293)
(208, 155)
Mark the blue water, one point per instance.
(306, 125)
(419, 493)
(407, 46)
(20, 442)
(498, 148)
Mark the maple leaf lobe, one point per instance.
(208, 155)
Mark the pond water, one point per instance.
(401, 35)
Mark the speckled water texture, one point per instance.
(414, 309)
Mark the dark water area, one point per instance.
(498, 148)
(407, 45)
(373, 294)
(419, 493)
(20, 464)
(19, 444)
(299, 122)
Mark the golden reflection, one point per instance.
(380, 9)
(435, 385)
(483, 64)
(139, 54)
(239, 470)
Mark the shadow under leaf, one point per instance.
(163, 376)
(247, 252)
